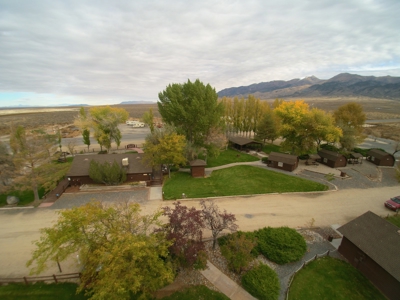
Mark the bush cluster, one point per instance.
(262, 282)
(281, 245)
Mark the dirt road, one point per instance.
(18, 228)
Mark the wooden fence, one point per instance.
(50, 278)
(303, 265)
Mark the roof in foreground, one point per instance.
(378, 238)
(136, 165)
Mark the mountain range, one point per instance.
(342, 85)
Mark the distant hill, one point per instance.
(345, 85)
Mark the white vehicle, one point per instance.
(135, 124)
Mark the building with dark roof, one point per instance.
(136, 169)
(332, 159)
(372, 244)
(242, 143)
(380, 158)
(283, 161)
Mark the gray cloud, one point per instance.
(131, 50)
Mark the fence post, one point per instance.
(55, 278)
(329, 251)
(316, 256)
(26, 280)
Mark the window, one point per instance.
(280, 164)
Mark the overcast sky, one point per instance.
(104, 52)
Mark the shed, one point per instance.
(371, 244)
(332, 159)
(136, 169)
(283, 161)
(244, 143)
(197, 168)
(380, 158)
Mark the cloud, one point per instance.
(120, 50)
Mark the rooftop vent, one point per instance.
(125, 162)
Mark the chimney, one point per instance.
(125, 162)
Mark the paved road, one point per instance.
(18, 228)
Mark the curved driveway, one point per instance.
(18, 228)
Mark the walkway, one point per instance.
(223, 283)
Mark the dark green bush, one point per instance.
(262, 282)
(363, 152)
(264, 160)
(281, 245)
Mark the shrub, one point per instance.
(262, 282)
(264, 160)
(281, 245)
(237, 252)
(223, 240)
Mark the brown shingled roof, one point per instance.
(242, 141)
(198, 163)
(378, 238)
(379, 154)
(80, 164)
(329, 154)
(282, 157)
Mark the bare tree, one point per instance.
(215, 220)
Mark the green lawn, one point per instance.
(25, 197)
(229, 156)
(40, 291)
(237, 180)
(328, 278)
(395, 219)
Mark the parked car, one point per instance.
(393, 203)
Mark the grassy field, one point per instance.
(237, 180)
(230, 156)
(40, 291)
(328, 278)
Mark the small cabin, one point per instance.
(197, 168)
(332, 159)
(283, 161)
(381, 158)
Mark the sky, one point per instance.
(105, 52)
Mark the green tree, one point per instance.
(193, 108)
(148, 119)
(350, 118)
(165, 147)
(117, 246)
(32, 158)
(86, 137)
(7, 168)
(107, 173)
(322, 127)
(268, 127)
